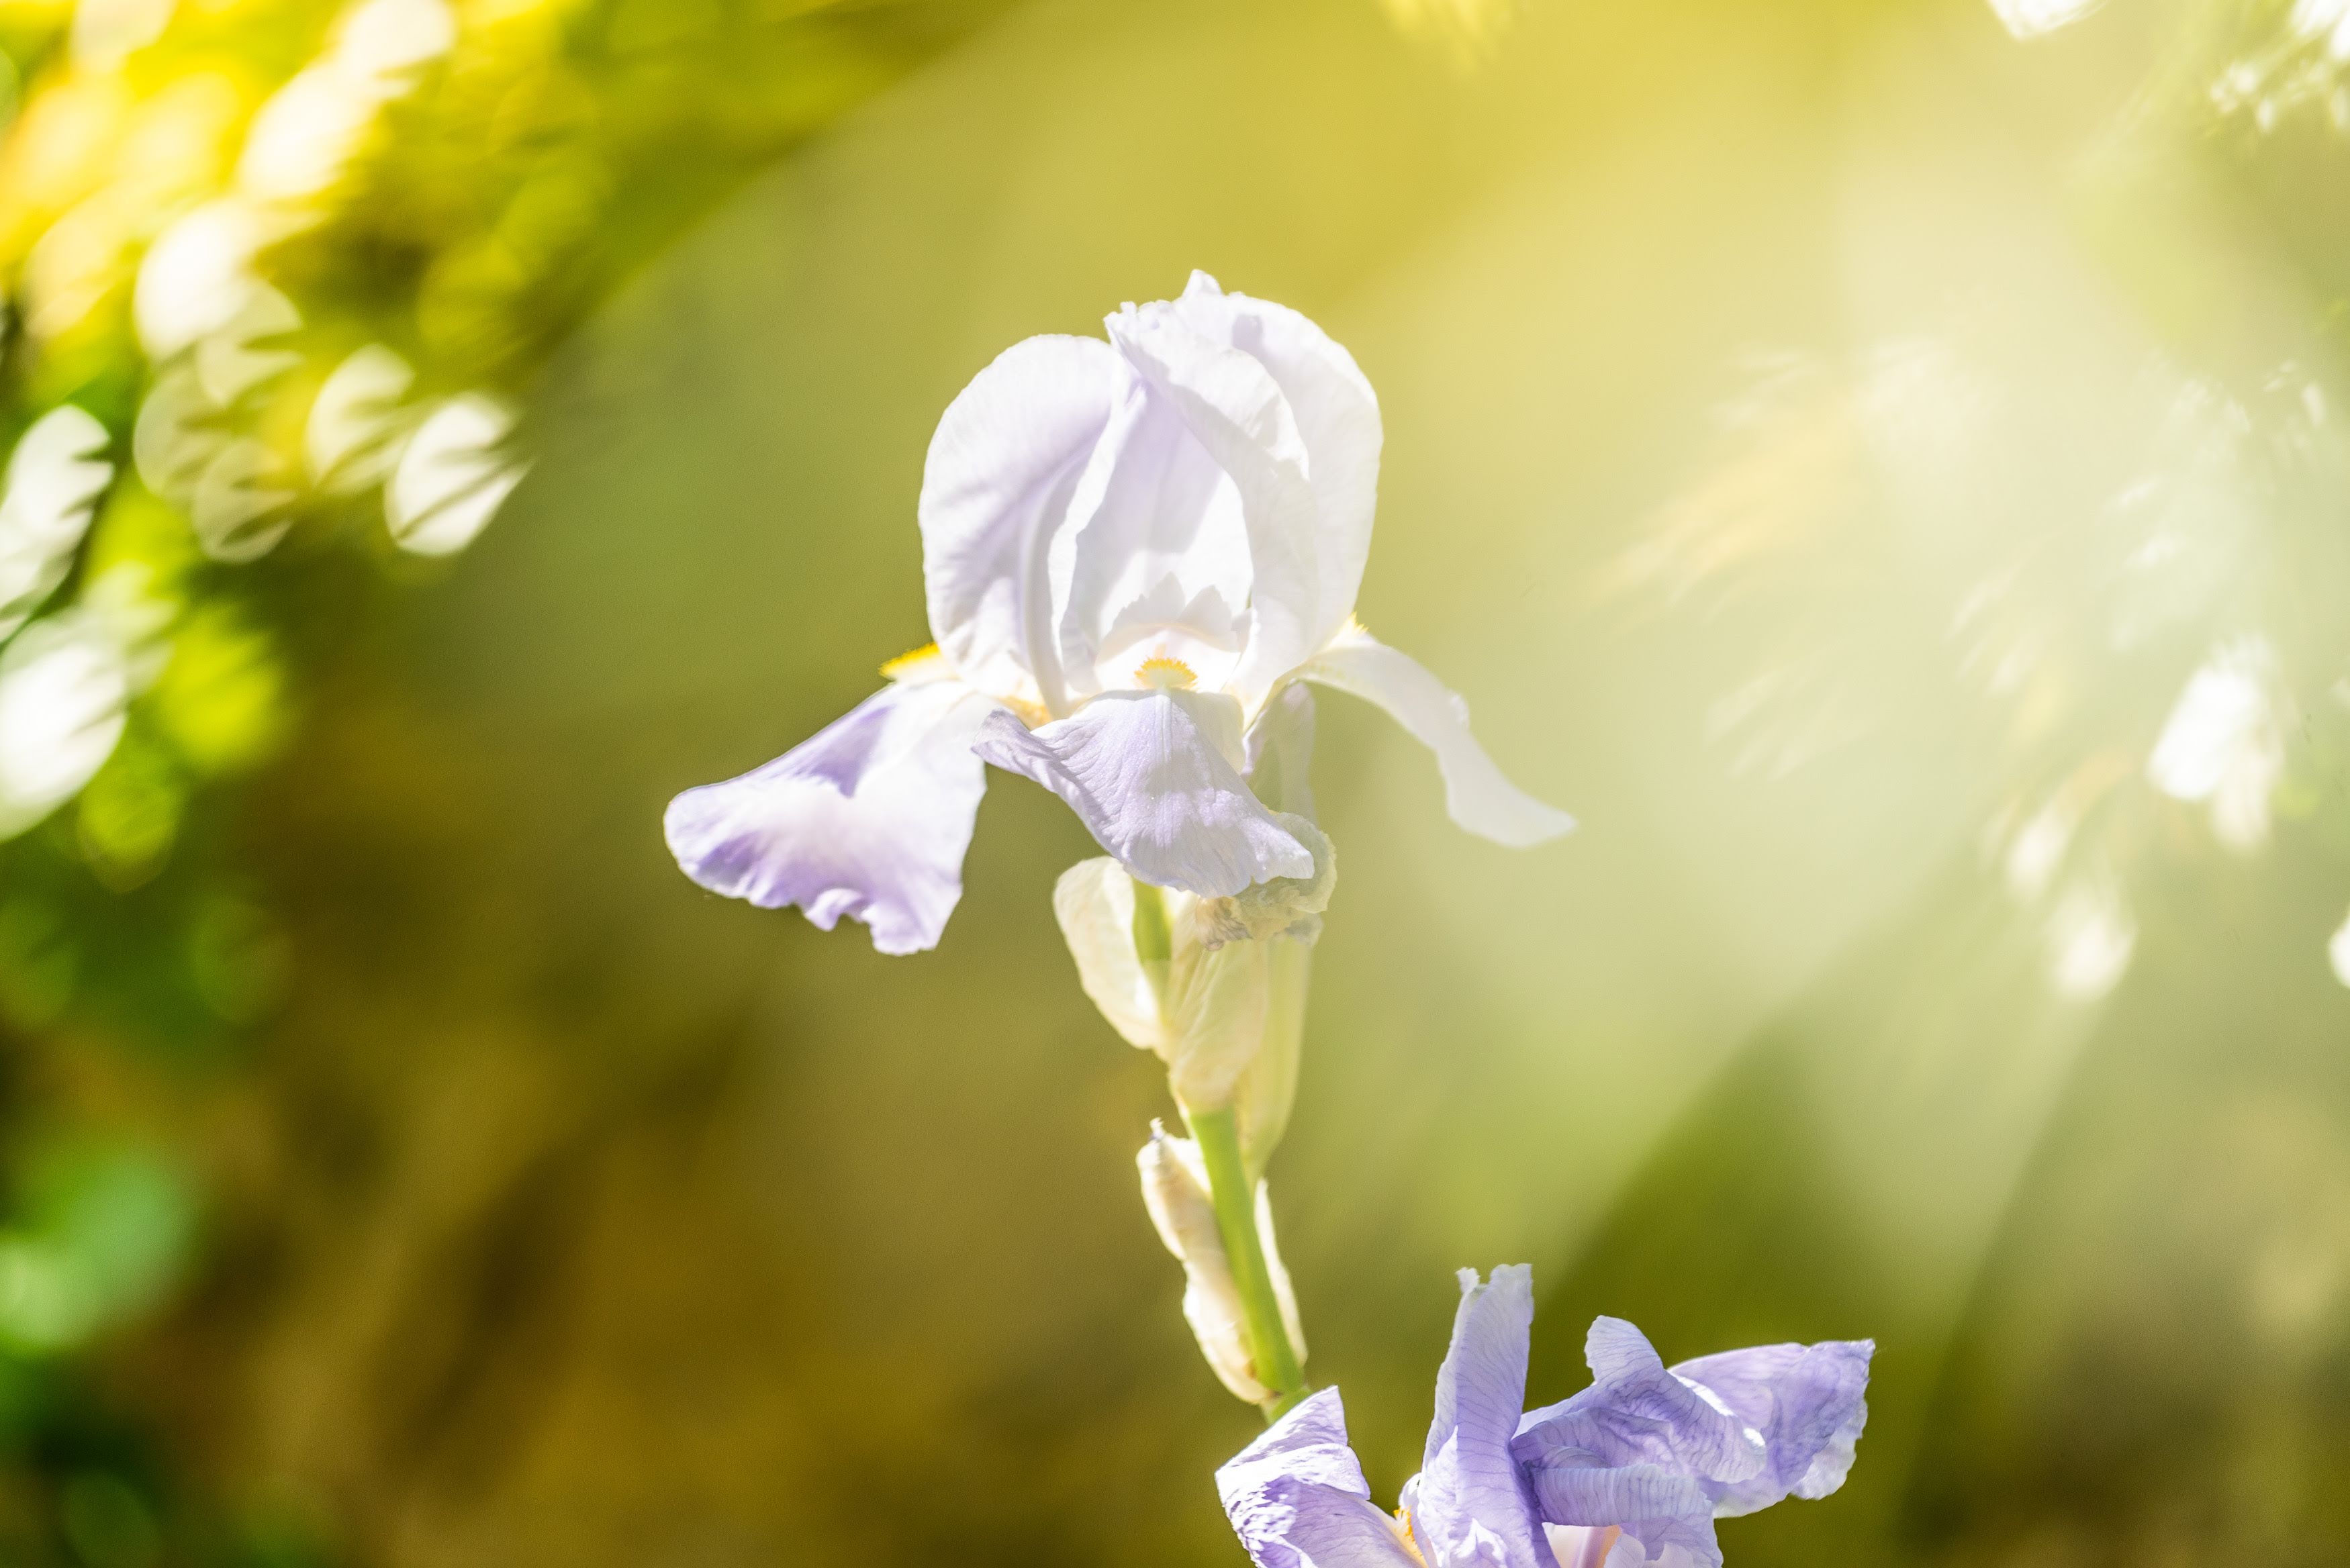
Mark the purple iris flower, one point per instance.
(1633, 1470)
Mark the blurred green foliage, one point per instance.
(462, 183)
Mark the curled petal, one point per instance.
(1471, 1503)
(1002, 467)
(1636, 1412)
(1151, 774)
(869, 819)
(1476, 794)
(1297, 1499)
(1809, 1402)
(1338, 417)
(1282, 907)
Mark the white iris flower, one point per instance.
(1130, 549)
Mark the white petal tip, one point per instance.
(1528, 827)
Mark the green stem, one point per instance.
(1274, 1359)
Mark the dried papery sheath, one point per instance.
(1175, 1191)
(1223, 1006)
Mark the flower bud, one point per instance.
(1267, 1087)
(1175, 1191)
(1215, 986)
(1095, 903)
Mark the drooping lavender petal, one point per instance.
(1472, 1504)
(1150, 774)
(869, 819)
(1297, 1499)
(1477, 794)
(1808, 1401)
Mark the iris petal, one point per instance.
(1809, 1402)
(1476, 793)
(1297, 1499)
(1152, 776)
(1471, 1505)
(869, 819)
(1338, 418)
(1637, 1412)
(997, 484)
(1235, 411)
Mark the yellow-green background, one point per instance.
(556, 1212)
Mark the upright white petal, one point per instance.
(1156, 553)
(1154, 776)
(1337, 416)
(1234, 409)
(1007, 455)
(1476, 794)
(869, 819)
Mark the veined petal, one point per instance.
(1809, 1402)
(1636, 1412)
(1152, 776)
(1472, 1504)
(869, 819)
(1593, 1546)
(1668, 1514)
(1338, 417)
(1297, 1499)
(1234, 409)
(1476, 794)
(1627, 1494)
(1002, 467)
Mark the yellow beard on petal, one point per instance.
(1402, 1528)
(925, 663)
(1165, 673)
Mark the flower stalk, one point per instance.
(1275, 1360)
